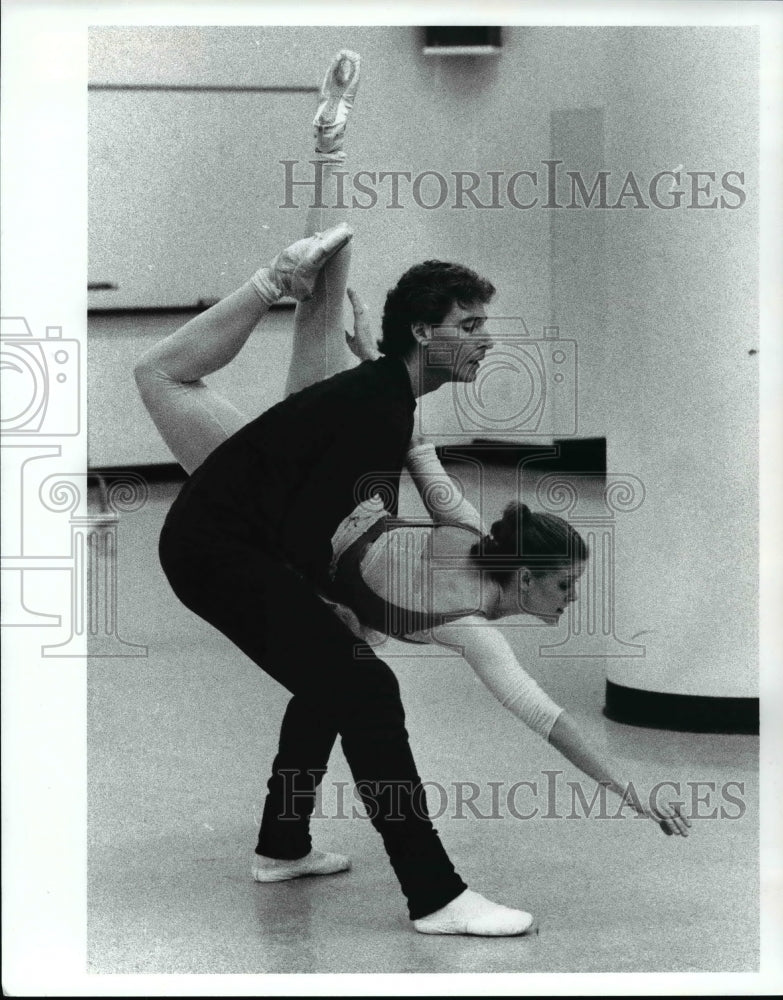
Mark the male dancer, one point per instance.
(246, 546)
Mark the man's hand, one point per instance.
(361, 342)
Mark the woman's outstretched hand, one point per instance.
(669, 818)
(567, 737)
(362, 342)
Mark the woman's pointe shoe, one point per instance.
(338, 92)
(315, 863)
(294, 270)
(471, 913)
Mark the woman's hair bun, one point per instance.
(502, 535)
(538, 540)
(491, 544)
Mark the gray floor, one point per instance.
(179, 743)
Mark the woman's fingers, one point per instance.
(672, 821)
(682, 822)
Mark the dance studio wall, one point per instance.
(662, 304)
(683, 292)
(414, 113)
(666, 307)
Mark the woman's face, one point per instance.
(547, 596)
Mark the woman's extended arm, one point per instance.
(489, 654)
(487, 651)
(440, 494)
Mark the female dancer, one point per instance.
(487, 579)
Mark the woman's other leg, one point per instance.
(319, 347)
(319, 350)
(191, 417)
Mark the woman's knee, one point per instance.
(151, 379)
(146, 376)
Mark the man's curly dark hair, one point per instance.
(426, 293)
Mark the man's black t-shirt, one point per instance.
(289, 477)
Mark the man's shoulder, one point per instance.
(381, 380)
(368, 398)
(383, 373)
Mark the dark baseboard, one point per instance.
(201, 306)
(578, 455)
(684, 712)
(165, 472)
(584, 455)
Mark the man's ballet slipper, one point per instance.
(314, 863)
(472, 913)
(294, 270)
(338, 92)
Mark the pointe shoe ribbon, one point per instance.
(294, 270)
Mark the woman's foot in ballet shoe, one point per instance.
(338, 92)
(315, 863)
(471, 913)
(294, 270)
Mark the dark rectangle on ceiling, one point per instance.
(462, 40)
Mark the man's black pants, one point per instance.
(275, 617)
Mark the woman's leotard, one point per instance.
(413, 574)
(409, 570)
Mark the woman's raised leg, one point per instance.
(191, 417)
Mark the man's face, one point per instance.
(459, 342)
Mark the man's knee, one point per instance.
(376, 692)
